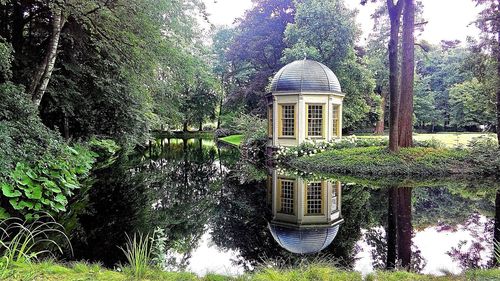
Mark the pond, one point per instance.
(220, 214)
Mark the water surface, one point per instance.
(221, 214)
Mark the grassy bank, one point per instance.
(234, 139)
(377, 161)
(80, 271)
(448, 139)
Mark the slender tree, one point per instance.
(43, 72)
(405, 125)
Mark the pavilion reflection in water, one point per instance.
(306, 213)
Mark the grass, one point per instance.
(51, 271)
(233, 139)
(138, 253)
(375, 161)
(23, 241)
(448, 139)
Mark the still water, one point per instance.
(221, 214)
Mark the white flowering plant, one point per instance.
(313, 147)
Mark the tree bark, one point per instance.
(496, 231)
(395, 11)
(185, 126)
(407, 76)
(380, 125)
(44, 71)
(498, 82)
(17, 27)
(404, 226)
(392, 228)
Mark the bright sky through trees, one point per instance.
(447, 19)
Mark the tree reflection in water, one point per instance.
(191, 187)
(172, 185)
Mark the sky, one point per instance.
(447, 19)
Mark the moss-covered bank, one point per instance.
(80, 271)
(415, 161)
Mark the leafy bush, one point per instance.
(485, 155)
(252, 128)
(312, 147)
(38, 169)
(46, 184)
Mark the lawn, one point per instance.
(81, 271)
(448, 139)
(234, 139)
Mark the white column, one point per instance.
(274, 193)
(275, 121)
(300, 199)
(341, 114)
(329, 119)
(301, 119)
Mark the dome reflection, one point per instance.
(306, 213)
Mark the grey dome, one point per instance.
(305, 76)
(303, 240)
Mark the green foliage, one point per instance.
(23, 241)
(485, 155)
(50, 271)
(472, 105)
(49, 182)
(254, 53)
(5, 60)
(252, 128)
(330, 38)
(138, 253)
(311, 148)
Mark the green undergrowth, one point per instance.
(51, 271)
(378, 161)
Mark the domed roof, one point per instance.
(303, 240)
(305, 76)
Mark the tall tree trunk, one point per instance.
(17, 27)
(498, 82)
(404, 226)
(379, 126)
(496, 231)
(395, 17)
(185, 126)
(44, 71)
(407, 76)
(392, 211)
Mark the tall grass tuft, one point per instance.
(496, 251)
(25, 241)
(138, 253)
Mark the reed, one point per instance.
(137, 250)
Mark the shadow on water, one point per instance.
(191, 188)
